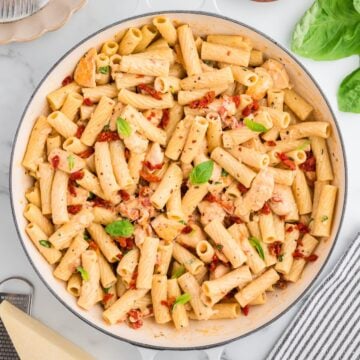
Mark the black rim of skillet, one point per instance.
(148, 346)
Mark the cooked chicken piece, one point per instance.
(136, 143)
(210, 211)
(155, 155)
(260, 191)
(141, 233)
(282, 201)
(260, 88)
(225, 106)
(278, 73)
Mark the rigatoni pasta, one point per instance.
(178, 177)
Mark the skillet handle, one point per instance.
(147, 354)
(214, 353)
(209, 6)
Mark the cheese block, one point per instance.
(33, 340)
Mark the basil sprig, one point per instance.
(122, 228)
(254, 126)
(123, 127)
(201, 173)
(255, 243)
(178, 271)
(45, 243)
(71, 162)
(84, 274)
(181, 300)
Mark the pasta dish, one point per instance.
(177, 177)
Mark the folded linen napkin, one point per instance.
(328, 323)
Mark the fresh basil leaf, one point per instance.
(86, 236)
(122, 228)
(71, 162)
(255, 243)
(349, 93)
(357, 5)
(106, 290)
(254, 126)
(104, 69)
(84, 274)
(45, 243)
(281, 257)
(91, 196)
(329, 30)
(182, 300)
(224, 173)
(178, 271)
(182, 222)
(123, 127)
(201, 173)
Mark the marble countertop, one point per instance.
(22, 66)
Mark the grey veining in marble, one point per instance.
(21, 68)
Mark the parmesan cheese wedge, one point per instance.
(33, 340)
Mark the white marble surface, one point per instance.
(23, 65)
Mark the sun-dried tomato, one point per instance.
(270, 143)
(107, 136)
(124, 195)
(152, 167)
(304, 229)
(86, 153)
(187, 229)
(93, 245)
(98, 202)
(107, 297)
(275, 248)
(286, 161)
(214, 263)
(164, 303)
(245, 310)
(88, 102)
(312, 257)
(310, 163)
(210, 198)
(281, 284)
(132, 284)
(254, 106)
(265, 209)
(204, 101)
(55, 160)
(236, 99)
(80, 131)
(150, 91)
(77, 175)
(290, 229)
(72, 187)
(67, 80)
(149, 177)
(74, 209)
(165, 119)
(243, 189)
(234, 220)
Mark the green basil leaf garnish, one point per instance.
(201, 173)
(349, 92)
(71, 162)
(329, 30)
(45, 243)
(177, 272)
(254, 126)
(182, 299)
(123, 127)
(122, 228)
(255, 243)
(104, 69)
(84, 274)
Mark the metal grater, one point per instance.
(20, 299)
